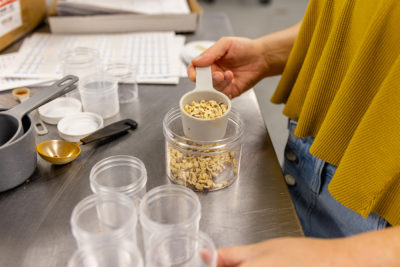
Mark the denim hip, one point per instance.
(308, 178)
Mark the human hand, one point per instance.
(375, 248)
(237, 64)
(307, 252)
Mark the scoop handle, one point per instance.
(110, 131)
(204, 79)
(55, 90)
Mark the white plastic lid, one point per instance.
(194, 49)
(59, 108)
(75, 127)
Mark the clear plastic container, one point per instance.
(80, 61)
(102, 218)
(99, 94)
(107, 254)
(181, 248)
(168, 207)
(126, 75)
(121, 173)
(202, 166)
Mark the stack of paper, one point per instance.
(93, 7)
(10, 83)
(155, 54)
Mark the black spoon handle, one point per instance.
(110, 131)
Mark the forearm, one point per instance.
(379, 248)
(276, 48)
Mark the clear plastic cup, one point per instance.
(202, 166)
(99, 94)
(168, 207)
(121, 173)
(80, 61)
(107, 254)
(126, 75)
(181, 248)
(104, 217)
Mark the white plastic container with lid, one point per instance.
(59, 108)
(77, 126)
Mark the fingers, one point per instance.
(208, 57)
(222, 80)
(230, 257)
(241, 255)
(235, 256)
(191, 72)
(226, 84)
(206, 256)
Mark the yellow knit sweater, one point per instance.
(342, 84)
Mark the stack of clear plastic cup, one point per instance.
(181, 248)
(80, 61)
(104, 218)
(122, 174)
(169, 207)
(126, 75)
(99, 94)
(105, 254)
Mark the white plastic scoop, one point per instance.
(200, 129)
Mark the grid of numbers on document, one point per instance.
(150, 53)
(153, 53)
(28, 59)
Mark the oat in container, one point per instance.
(206, 109)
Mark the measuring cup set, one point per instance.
(17, 137)
(123, 225)
(99, 95)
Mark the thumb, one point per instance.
(212, 54)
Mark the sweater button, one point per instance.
(290, 180)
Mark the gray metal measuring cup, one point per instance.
(10, 120)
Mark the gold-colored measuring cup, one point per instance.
(59, 152)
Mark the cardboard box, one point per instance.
(120, 23)
(19, 17)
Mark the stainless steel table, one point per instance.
(34, 222)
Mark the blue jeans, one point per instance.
(308, 178)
